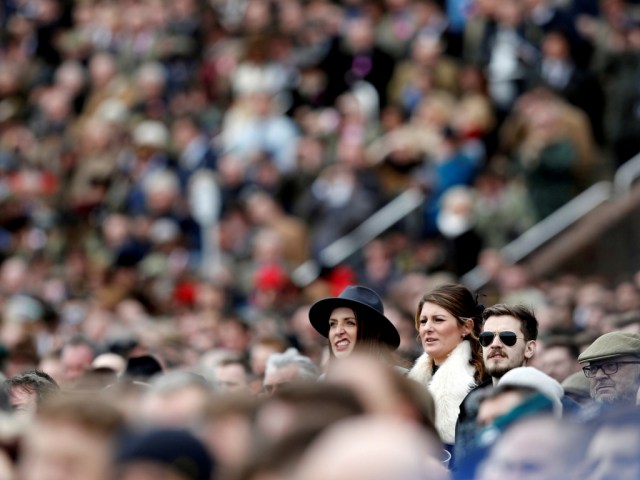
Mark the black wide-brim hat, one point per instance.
(367, 306)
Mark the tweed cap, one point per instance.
(576, 383)
(610, 345)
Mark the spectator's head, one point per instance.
(509, 13)
(70, 75)
(111, 361)
(268, 247)
(142, 368)
(403, 321)
(150, 80)
(530, 378)
(175, 398)
(372, 448)
(539, 447)
(276, 459)
(360, 37)
(499, 402)
(232, 374)
(576, 387)
(262, 349)
(456, 214)
(522, 392)
(508, 338)
(313, 407)
(628, 322)
(614, 447)
(559, 357)
(448, 315)
(184, 131)
(77, 355)
(292, 405)
(116, 230)
(235, 334)
(384, 390)
(51, 364)
(171, 453)
(227, 429)
(28, 390)
(22, 352)
(627, 297)
(612, 363)
(103, 69)
(71, 438)
(288, 367)
(14, 274)
(556, 46)
(354, 321)
(162, 191)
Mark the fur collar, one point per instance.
(448, 386)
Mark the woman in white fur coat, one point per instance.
(448, 320)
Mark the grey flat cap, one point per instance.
(610, 345)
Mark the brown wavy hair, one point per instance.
(463, 305)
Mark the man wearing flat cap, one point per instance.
(612, 365)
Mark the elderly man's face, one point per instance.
(277, 378)
(621, 386)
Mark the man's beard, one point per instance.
(498, 372)
(618, 398)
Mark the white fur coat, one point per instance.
(448, 386)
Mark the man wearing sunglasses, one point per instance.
(508, 340)
(612, 365)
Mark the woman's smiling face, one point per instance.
(439, 332)
(343, 331)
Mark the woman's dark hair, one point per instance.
(463, 305)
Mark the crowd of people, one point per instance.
(139, 339)
(494, 394)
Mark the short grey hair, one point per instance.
(176, 380)
(277, 361)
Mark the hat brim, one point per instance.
(321, 310)
(598, 358)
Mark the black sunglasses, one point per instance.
(508, 338)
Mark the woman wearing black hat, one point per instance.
(354, 321)
(448, 320)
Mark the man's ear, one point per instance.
(530, 349)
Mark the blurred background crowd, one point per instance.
(311, 115)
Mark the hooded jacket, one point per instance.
(451, 383)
